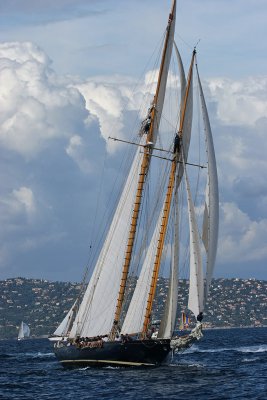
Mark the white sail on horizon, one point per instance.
(24, 331)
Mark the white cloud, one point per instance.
(105, 101)
(240, 102)
(37, 107)
(24, 198)
(242, 239)
(20, 202)
(75, 150)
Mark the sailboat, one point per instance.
(24, 331)
(111, 327)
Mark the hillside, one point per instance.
(43, 304)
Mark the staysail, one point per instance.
(211, 212)
(167, 325)
(134, 319)
(196, 285)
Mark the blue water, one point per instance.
(226, 364)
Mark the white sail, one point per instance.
(133, 322)
(24, 331)
(64, 326)
(165, 69)
(187, 127)
(168, 321)
(181, 72)
(96, 313)
(196, 284)
(211, 213)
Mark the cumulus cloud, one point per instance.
(241, 102)
(242, 239)
(19, 202)
(61, 118)
(75, 150)
(37, 107)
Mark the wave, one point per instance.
(246, 360)
(243, 349)
(262, 348)
(37, 355)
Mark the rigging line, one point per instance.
(136, 144)
(185, 42)
(179, 162)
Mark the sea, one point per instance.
(225, 364)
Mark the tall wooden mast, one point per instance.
(166, 209)
(148, 149)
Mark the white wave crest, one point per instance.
(243, 349)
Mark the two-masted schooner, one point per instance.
(106, 326)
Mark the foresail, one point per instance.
(160, 95)
(96, 313)
(196, 284)
(169, 317)
(64, 326)
(133, 322)
(211, 212)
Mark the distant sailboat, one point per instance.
(24, 331)
(109, 328)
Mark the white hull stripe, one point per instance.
(107, 362)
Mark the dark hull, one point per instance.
(149, 353)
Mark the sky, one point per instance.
(68, 70)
